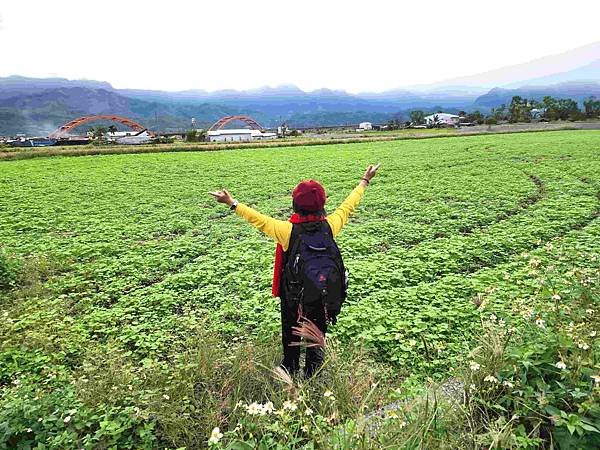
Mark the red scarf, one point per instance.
(296, 218)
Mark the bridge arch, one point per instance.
(228, 119)
(64, 130)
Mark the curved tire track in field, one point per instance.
(431, 273)
(380, 315)
(530, 200)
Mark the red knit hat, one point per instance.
(310, 196)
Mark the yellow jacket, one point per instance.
(281, 230)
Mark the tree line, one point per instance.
(519, 110)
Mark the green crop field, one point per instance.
(124, 259)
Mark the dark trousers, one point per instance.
(291, 354)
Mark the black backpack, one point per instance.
(314, 275)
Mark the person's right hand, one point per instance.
(222, 197)
(371, 172)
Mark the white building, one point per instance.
(365, 126)
(238, 135)
(130, 137)
(537, 113)
(444, 119)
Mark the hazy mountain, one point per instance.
(575, 90)
(17, 85)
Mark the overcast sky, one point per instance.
(357, 46)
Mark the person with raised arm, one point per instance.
(309, 275)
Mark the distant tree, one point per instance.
(561, 109)
(591, 107)
(417, 117)
(491, 120)
(519, 110)
(394, 124)
(191, 136)
(97, 132)
(499, 113)
(112, 129)
(475, 117)
(534, 104)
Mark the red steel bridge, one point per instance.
(64, 130)
(228, 119)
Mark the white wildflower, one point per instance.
(501, 323)
(596, 379)
(268, 407)
(474, 366)
(491, 379)
(561, 365)
(540, 322)
(215, 436)
(254, 409)
(508, 384)
(493, 317)
(583, 346)
(166, 397)
(556, 297)
(308, 412)
(29, 430)
(589, 311)
(593, 333)
(329, 395)
(402, 424)
(290, 405)
(67, 419)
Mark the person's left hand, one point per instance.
(371, 172)
(222, 197)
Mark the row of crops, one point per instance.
(128, 253)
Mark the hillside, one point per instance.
(575, 90)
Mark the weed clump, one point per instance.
(9, 270)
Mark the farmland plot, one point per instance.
(128, 253)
